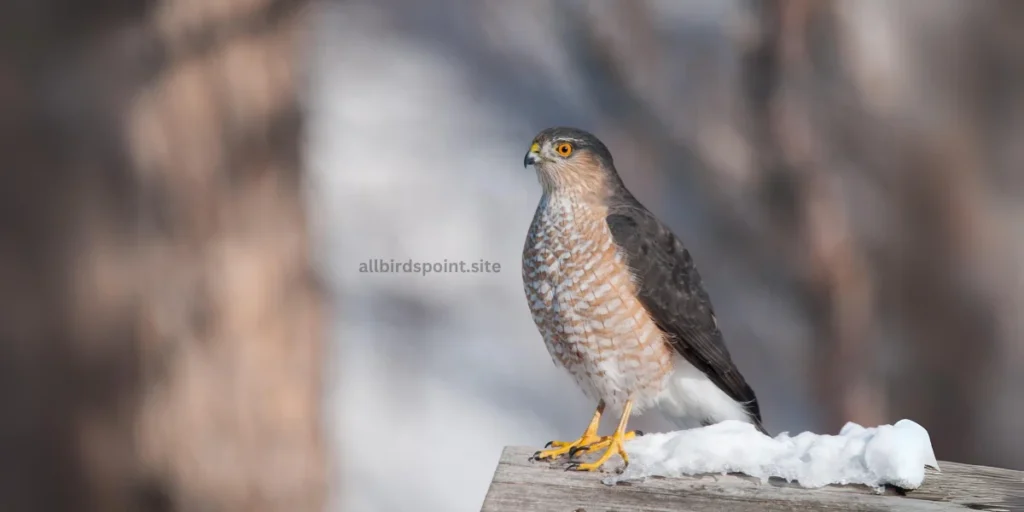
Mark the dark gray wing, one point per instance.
(670, 289)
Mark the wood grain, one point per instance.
(524, 486)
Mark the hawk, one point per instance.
(618, 300)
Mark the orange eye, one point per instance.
(564, 149)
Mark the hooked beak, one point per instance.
(529, 159)
(532, 155)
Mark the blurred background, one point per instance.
(190, 186)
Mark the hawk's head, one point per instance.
(570, 159)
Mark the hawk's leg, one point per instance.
(615, 444)
(559, 448)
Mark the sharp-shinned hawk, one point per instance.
(619, 302)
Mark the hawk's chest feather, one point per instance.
(583, 300)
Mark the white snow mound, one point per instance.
(887, 454)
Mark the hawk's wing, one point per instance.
(671, 291)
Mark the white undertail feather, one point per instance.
(690, 398)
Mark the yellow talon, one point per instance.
(559, 448)
(601, 443)
(615, 444)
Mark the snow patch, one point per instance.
(887, 454)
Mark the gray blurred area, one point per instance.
(847, 174)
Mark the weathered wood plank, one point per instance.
(520, 485)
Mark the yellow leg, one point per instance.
(615, 444)
(559, 448)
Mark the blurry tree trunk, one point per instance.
(161, 334)
(819, 131)
(808, 213)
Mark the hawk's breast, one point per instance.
(583, 301)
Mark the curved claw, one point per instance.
(572, 467)
(560, 448)
(549, 445)
(575, 450)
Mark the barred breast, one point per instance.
(583, 300)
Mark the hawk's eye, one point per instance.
(564, 149)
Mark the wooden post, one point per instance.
(520, 485)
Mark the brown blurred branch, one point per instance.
(810, 218)
(161, 340)
(818, 134)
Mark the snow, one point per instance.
(888, 454)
